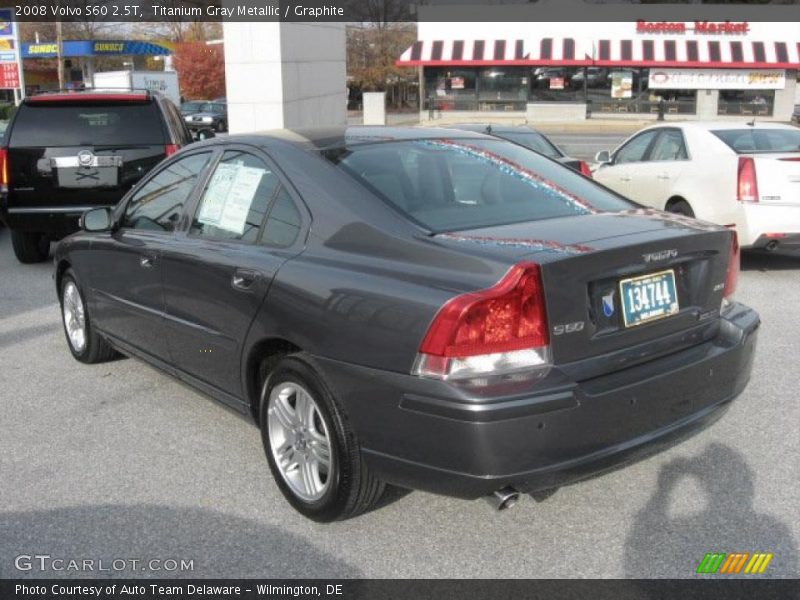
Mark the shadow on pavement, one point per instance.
(761, 260)
(221, 545)
(661, 544)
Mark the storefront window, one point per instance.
(503, 88)
(560, 84)
(624, 90)
(757, 103)
(450, 89)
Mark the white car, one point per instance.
(736, 174)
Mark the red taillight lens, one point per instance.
(490, 331)
(171, 149)
(732, 274)
(583, 167)
(747, 185)
(4, 166)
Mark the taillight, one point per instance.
(4, 166)
(583, 167)
(502, 329)
(171, 149)
(747, 185)
(732, 274)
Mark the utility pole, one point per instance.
(60, 55)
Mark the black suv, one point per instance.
(66, 152)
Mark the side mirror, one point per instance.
(96, 219)
(603, 157)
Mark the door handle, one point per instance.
(146, 262)
(243, 279)
(663, 176)
(624, 178)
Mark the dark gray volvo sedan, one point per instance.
(432, 309)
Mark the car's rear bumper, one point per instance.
(425, 434)
(764, 223)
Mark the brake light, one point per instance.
(584, 169)
(4, 166)
(171, 149)
(747, 185)
(496, 331)
(732, 274)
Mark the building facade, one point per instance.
(566, 71)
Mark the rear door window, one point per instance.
(669, 146)
(236, 199)
(91, 124)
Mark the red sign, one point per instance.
(9, 76)
(699, 28)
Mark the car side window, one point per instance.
(284, 222)
(635, 149)
(670, 145)
(158, 204)
(236, 198)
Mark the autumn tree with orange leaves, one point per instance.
(201, 70)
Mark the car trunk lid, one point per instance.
(584, 261)
(778, 177)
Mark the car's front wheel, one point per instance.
(30, 247)
(84, 342)
(313, 454)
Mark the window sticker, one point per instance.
(230, 193)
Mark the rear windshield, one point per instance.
(96, 124)
(456, 184)
(534, 141)
(759, 141)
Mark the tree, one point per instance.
(201, 69)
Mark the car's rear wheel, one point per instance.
(30, 247)
(680, 207)
(222, 127)
(84, 342)
(313, 454)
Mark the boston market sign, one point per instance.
(698, 28)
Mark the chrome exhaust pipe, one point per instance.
(772, 246)
(503, 498)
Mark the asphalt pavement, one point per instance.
(119, 461)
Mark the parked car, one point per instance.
(529, 138)
(433, 309)
(739, 174)
(796, 114)
(192, 107)
(66, 152)
(212, 115)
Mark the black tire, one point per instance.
(354, 489)
(30, 247)
(96, 349)
(681, 207)
(222, 127)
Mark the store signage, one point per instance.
(698, 28)
(9, 76)
(717, 79)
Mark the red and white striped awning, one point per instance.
(551, 51)
(664, 52)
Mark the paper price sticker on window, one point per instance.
(229, 195)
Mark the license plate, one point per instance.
(648, 297)
(87, 177)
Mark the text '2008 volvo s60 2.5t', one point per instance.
(432, 309)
